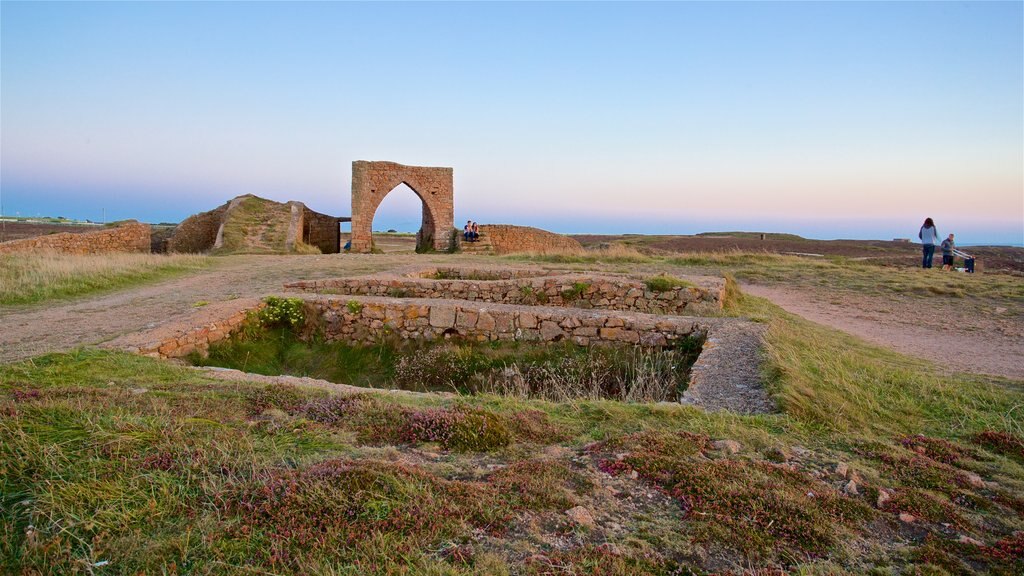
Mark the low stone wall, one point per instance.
(463, 273)
(507, 239)
(372, 319)
(193, 333)
(128, 237)
(726, 375)
(576, 291)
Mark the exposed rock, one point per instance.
(883, 497)
(965, 539)
(580, 516)
(974, 480)
(842, 469)
(727, 446)
(907, 518)
(851, 488)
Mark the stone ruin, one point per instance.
(372, 181)
(250, 224)
(128, 236)
(495, 305)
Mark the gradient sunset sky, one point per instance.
(852, 120)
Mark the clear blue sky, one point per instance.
(824, 119)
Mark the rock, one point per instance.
(907, 518)
(851, 488)
(800, 451)
(442, 317)
(965, 539)
(974, 480)
(842, 469)
(883, 497)
(777, 455)
(633, 475)
(727, 446)
(580, 516)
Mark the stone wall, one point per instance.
(361, 319)
(507, 239)
(322, 231)
(194, 333)
(253, 225)
(198, 232)
(131, 236)
(372, 181)
(577, 291)
(367, 319)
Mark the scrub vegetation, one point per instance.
(876, 463)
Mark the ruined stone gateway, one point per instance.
(372, 181)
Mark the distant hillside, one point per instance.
(756, 235)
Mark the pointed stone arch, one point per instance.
(372, 181)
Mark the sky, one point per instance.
(829, 120)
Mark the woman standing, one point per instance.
(929, 237)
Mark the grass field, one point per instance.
(117, 464)
(33, 278)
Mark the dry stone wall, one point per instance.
(250, 224)
(577, 291)
(508, 239)
(128, 237)
(198, 232)
(322, 231)
(368, 319)
(361, 319)
(194, 333)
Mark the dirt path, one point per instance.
(29, 331)
(962, 335)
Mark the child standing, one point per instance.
(947, 253)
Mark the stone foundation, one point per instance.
(367, 319)
(128, 237)
(576, 291)
(193, 333)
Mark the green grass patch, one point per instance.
(665, 283)
(156, 468)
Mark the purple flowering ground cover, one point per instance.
(117, 464)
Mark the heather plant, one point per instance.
(1001, 443)
(767, 511)
(276, 396)
(460, 429)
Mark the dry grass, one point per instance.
(30, 278)
(861, 276)
(613, 253)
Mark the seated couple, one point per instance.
(470, 232)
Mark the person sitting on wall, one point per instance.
(467, 231)
(476, 232)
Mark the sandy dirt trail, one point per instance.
(65, 324)
(962, 336)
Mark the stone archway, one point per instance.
(372, 181)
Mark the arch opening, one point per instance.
(402, 221)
